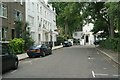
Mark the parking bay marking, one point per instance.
(116, 75)
(13, 71)
(27, 62)
(93, 73)
(90, 58)
(99, 74)
(102, 74)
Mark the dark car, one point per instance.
(39, 50)
(67, 44)
(96, 42)
(9, 60)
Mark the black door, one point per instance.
(86, 38)
(13, 33)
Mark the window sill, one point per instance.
(3, 17)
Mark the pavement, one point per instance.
(24, 55)
(111, 54)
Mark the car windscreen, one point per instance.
(66, 42)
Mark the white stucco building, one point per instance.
(85, 36)
(42, 21)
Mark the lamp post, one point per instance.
(51, 42)
(50, 35)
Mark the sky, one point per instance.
(45, 1)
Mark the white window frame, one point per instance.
(20, 16)
(31, 20)
(2, 9)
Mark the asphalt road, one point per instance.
(68, 62)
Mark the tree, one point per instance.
(26, 36)
(101, 13)
(68, 16)
(18, 28)
(22, 31)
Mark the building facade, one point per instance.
(85, 36)
(42, 21)
(88, 37)
(10, 12)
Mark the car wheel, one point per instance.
(15, 64)
(43, 54)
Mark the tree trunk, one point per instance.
(66, 29)
(118, 18)
(111, 27)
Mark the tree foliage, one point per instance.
(68, 16)
(104, 16)
(22, 31)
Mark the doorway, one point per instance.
(13, 33)
(87, 39)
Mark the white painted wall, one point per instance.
(87, 31)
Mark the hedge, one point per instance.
(113, 44)
(17, 45)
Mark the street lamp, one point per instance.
(51, 42)
(50, 35)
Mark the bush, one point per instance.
(118, 45)
(28, 42)
(60, 40)
(17, 45)
(113, 44)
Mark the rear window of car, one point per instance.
(35, 47)
(66, 42)
(44, 46)
(3, 49)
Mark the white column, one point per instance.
(0, 29)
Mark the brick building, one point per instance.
(9, 13)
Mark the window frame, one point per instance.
(3, 8)
(16, 18)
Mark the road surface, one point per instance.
(69, 62)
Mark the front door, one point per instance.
(87, 39)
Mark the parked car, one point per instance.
(9, 60)
(96, 42)
(67, 44)
(71, 40)
(39, 50)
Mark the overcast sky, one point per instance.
(45, 1)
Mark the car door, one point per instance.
(0, 57)
(6, 59)
(44, 47)
(49, 49)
